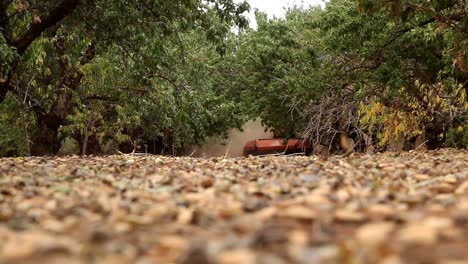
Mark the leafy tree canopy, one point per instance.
(72, 59)
(162, 75)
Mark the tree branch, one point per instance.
(38, 26)
(440, 17)
(5, 87)
(103, 98)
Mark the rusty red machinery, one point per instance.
(276, 145)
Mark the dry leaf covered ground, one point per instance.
(384, 208)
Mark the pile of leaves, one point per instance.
(384, 208)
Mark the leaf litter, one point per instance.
(383, 208)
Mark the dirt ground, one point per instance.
(384, 208)
(233, 145)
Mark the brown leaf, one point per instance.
(349, 215)
(297, 212)
(236, 256)
(374, 234)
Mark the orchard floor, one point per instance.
(384, 208)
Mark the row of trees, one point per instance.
(113, 73)
(162, 75)
(380, 73)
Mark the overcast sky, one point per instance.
(276, 7)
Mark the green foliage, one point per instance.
(457, 137)
(447, 19)
(13, 140)
(372, 75)
(69, 146)
(121, 71)
(274, 66)
(168, 74)
(7, 56)
(175, 100)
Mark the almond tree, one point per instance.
(44, 46)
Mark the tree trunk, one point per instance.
(49, 121)
(85, 143)
(5, 86)
(89, 127)
(46, 141)
(24, 122)
(3, 92)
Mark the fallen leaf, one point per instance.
(297, 212)
(374, 234)
(237, 256)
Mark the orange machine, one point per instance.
(276, 145)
